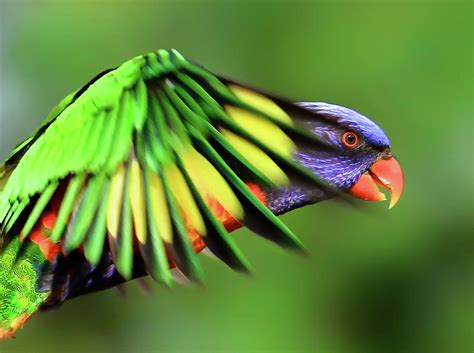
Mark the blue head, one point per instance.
(358, 140)
(360, 162)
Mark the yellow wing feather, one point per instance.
(185, 200)
(257, 158)
(264, 104)
(263, 130)
(137, 200)
(160, 208)
(114, 206)
(210, 183)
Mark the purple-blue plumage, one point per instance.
(342, 166)
(352, 120)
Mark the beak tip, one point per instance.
(394, 200)
(385, 173)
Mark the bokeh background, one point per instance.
(377, 280)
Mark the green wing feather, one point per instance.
(141, 150)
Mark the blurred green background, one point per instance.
(376, 281)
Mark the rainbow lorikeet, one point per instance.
(157, 159)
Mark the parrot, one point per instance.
(157, 160)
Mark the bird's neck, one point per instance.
(287, 199)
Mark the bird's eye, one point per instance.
(350, 139)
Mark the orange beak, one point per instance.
(385, 173)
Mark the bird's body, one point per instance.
(157, 159)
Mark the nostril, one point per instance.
(387, 154)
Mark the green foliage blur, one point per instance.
(376, 280)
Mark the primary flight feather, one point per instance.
(155, 160)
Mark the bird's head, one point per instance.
(362, 159)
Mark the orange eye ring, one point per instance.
(350, 139)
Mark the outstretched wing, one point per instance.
(150, 152)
